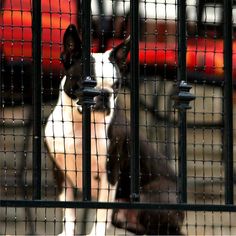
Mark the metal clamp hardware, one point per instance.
(182, 99)
(183, 96)
(87, 94)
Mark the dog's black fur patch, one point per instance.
(158, 183)
(71, 58)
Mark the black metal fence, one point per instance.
(179, 73)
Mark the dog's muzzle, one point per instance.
(102, 101)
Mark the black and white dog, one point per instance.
(109, 147)
(63, 130)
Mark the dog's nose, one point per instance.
(102, 100)
(105, 95)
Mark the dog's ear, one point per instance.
(119, 54)
(72, 47)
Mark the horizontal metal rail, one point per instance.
(117, 205)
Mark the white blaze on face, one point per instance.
(106, 74)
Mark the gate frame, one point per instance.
(228, 121)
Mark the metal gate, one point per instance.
(184, 76)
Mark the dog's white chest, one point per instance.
(64, 129)
(64, 140)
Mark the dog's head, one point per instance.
(106, 69)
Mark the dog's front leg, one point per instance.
(103, 216)
(69, 214)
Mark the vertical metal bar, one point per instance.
(86, 149)
(228, 103)
(37, 98)
(181, 73)
(86, 130)
(134, 5)
(182, 40)
(182, 168)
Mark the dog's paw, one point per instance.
(93, 233)
(62, 234)
(66, 233)
(98, 230)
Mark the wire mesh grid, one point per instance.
(158, 58)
